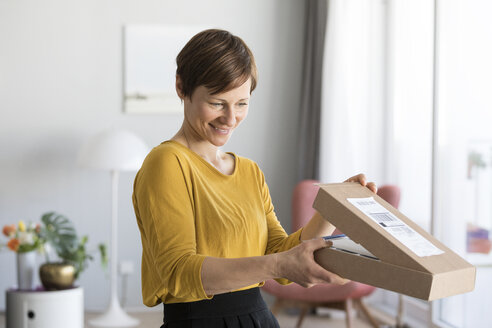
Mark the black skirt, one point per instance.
(245, 309)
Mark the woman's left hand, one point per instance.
(361, 178)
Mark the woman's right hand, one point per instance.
(298, 265)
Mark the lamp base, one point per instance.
(114, 317)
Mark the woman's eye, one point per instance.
(243, 104)
(217, 104)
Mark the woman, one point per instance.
(209, 233)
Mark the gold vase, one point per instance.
(55, 276)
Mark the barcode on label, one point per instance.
(383, 217)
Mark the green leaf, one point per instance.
(104, 255)
(58, 231)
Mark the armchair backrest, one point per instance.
(302, 203)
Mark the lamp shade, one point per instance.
(118, 150)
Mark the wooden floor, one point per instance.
(154, 320)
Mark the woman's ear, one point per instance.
(179, 87)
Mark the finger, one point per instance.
(362, 179)
(336, 279)
(317, 243)
(351, 179)
(340, 281)
(323, 275)
(372, 186)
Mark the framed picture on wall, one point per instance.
(150, 67)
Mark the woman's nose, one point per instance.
(229, 118)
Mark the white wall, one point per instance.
(61, 82)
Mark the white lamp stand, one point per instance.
(116, 151)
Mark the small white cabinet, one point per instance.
(45, 309)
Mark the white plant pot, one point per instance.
(26, 269)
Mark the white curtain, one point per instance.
(352, 117)
(376, 108)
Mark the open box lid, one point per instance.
(333, 203)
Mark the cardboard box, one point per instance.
(402, 247)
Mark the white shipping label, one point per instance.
(396, 227)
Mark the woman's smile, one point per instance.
(223, 131)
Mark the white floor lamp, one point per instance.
(115, 151)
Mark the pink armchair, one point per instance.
(322, 295)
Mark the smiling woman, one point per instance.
(211, 118)
(215, 75)
(210, 236)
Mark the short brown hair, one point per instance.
(217, 60)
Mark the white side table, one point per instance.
(45, 309)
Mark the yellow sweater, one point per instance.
(187, 210)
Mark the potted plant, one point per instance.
(58, 232)
(24, 240)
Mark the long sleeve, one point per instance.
(163, 200)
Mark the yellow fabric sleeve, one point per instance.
(165, 201)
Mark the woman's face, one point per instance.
(214, 117)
